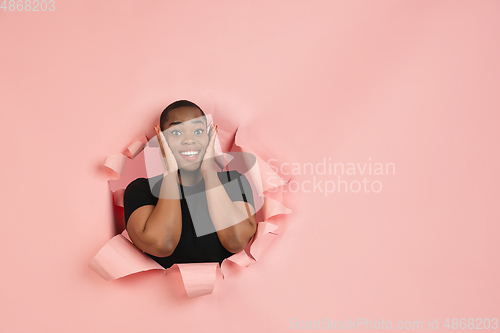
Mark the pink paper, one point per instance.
(116, 164)
(119, 257)
(199, 278)
(118, 197)
(264, 234)
(273, 207)
(136, 147)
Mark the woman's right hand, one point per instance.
(166, 155)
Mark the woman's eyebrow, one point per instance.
(197, 122)
(180, 122)
(174, 123)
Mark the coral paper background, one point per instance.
(414, 83)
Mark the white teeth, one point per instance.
(190, 153)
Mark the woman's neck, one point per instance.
(189, 178)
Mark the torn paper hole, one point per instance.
(119, 257)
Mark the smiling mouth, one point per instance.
(190, 155)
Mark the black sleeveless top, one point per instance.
(199, 241)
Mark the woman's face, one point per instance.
(187, 137)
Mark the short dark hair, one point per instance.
(177, 104)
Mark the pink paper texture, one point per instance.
(305, 85)
(119, 257)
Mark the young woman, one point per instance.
(192, 213)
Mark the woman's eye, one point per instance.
(176, 132)
(198, 131)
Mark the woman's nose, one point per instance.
(187, 139)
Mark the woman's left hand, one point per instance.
(207, 165)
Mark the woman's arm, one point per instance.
(234, 221)
(157, 229)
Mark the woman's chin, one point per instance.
(190, 167)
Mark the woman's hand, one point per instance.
(166, 155)
(207, 165)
